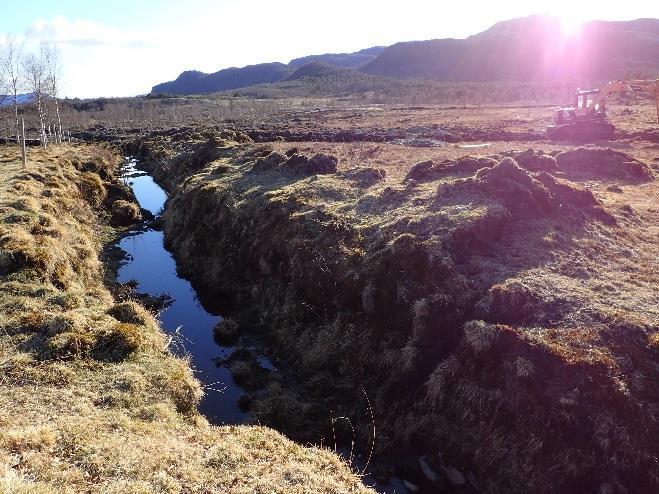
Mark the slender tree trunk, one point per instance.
(43, 125)
(59, 121)
(23, 143)
(17, 126)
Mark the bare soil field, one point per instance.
(453, 123)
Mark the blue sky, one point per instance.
(122, 47)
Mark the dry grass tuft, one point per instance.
(30, 438)
(92, 188)
(119, 342)
(125, 212)
(480, 335)
(69, 344)
(66, 322)
(130, 312)
(653, 341)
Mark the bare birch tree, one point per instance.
(10, 65)
(4, 86)
(52, 84)
(35, 72)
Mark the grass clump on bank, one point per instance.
(90, 398)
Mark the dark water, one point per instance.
(154, 269)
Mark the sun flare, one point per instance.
(571, 21)
(571, 25)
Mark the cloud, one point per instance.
(96, 58)
(80, 33)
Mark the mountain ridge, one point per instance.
(527, 49)
(344, 60)
(196, 82)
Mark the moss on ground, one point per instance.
(90, 398)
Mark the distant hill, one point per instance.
(23, 99)
(345, 60)
(529, 49)
(534, 48)
(318, 70)
(195, 82)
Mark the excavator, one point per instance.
(586, 119)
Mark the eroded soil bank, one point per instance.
(91, 397)
(500, 311)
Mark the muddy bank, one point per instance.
(465, 300)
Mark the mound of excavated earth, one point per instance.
(500, 315)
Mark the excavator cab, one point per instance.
(586, 99)
(589, 106)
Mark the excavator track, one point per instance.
(581, 131)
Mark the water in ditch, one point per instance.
(152, 267)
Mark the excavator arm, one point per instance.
(637, 86)
(649, 86)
